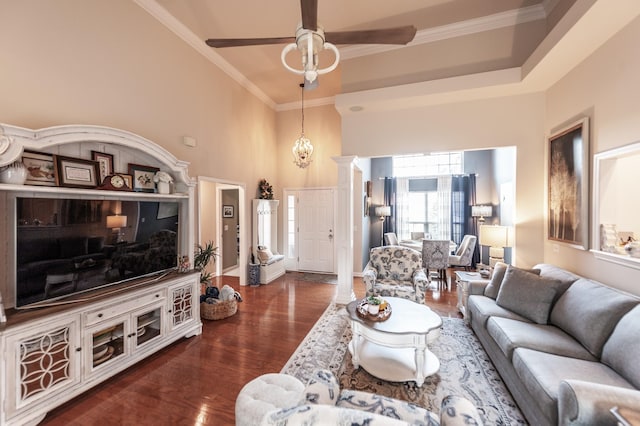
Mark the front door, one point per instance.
(316, 230)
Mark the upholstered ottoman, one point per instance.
(267, 393)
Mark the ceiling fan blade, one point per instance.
(397, 35)
(233, 42)
(309, 10)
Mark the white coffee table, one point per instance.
(396, 350)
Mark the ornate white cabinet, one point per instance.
(52, 354)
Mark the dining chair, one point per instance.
(464, 254)
(435, 259)
(390, 239)
(417, 236)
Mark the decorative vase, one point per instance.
(373, 309)
(164, 188)
(15, 173)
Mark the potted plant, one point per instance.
(202, 257)
(374, 304)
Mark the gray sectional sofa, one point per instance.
(568, 348)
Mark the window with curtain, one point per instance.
(426, 206)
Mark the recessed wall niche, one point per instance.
(615, 203)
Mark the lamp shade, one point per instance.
(481, 211)
(116, 221)
(383, 211)
(496, 236)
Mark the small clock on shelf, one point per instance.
(116, 182)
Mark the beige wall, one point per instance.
(604, 87)
(111, 63)
(511, 121)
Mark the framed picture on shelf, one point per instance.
(142, 177)
(227, 211)
(76, 172)
(105, 164)
(128, 179)
(568, 192)
(40, 167)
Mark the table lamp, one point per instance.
(116, 223)
(497, 238)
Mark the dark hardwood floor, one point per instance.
(195, 381)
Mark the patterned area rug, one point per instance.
(465, 368)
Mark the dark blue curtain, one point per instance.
(390, 188)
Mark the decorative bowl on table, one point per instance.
(384, 310)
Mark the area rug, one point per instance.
(465, 368)
(317, 278)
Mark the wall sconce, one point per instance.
(116, 223)
(497, 238)
(480, 212)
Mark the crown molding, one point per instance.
(307, 104)
(178, 28)
(471, 26)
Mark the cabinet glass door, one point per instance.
(108, 343)
(148, 325)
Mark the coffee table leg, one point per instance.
(420, 365)
(355, 344)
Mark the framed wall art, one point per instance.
(76, 172)
(568, 180)
(143, 177)
(105, 164)
(40, 167)
(227, 211)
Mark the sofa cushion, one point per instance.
(482, 307)
(73, 246)
(527, 294)
(511, 334)
(589, 311)
(499, 270)
(541, 374)
(37, 250)
(555, 272)
(621, 350)
(320, 415)
(390, 407)
(565, 277)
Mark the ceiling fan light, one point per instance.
(310, 76)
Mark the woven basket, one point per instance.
(220, 310)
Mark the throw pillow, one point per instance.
(493, 288)
(496, 279)
(264, 254)
(527, 294)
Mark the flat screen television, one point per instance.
(69, 246)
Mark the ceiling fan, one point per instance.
(311, 38)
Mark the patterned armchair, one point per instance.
(158, 254)
(395, 271)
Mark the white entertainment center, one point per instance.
(52, 353)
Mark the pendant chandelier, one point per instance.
(302, 149)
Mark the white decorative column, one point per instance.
(344, 229)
